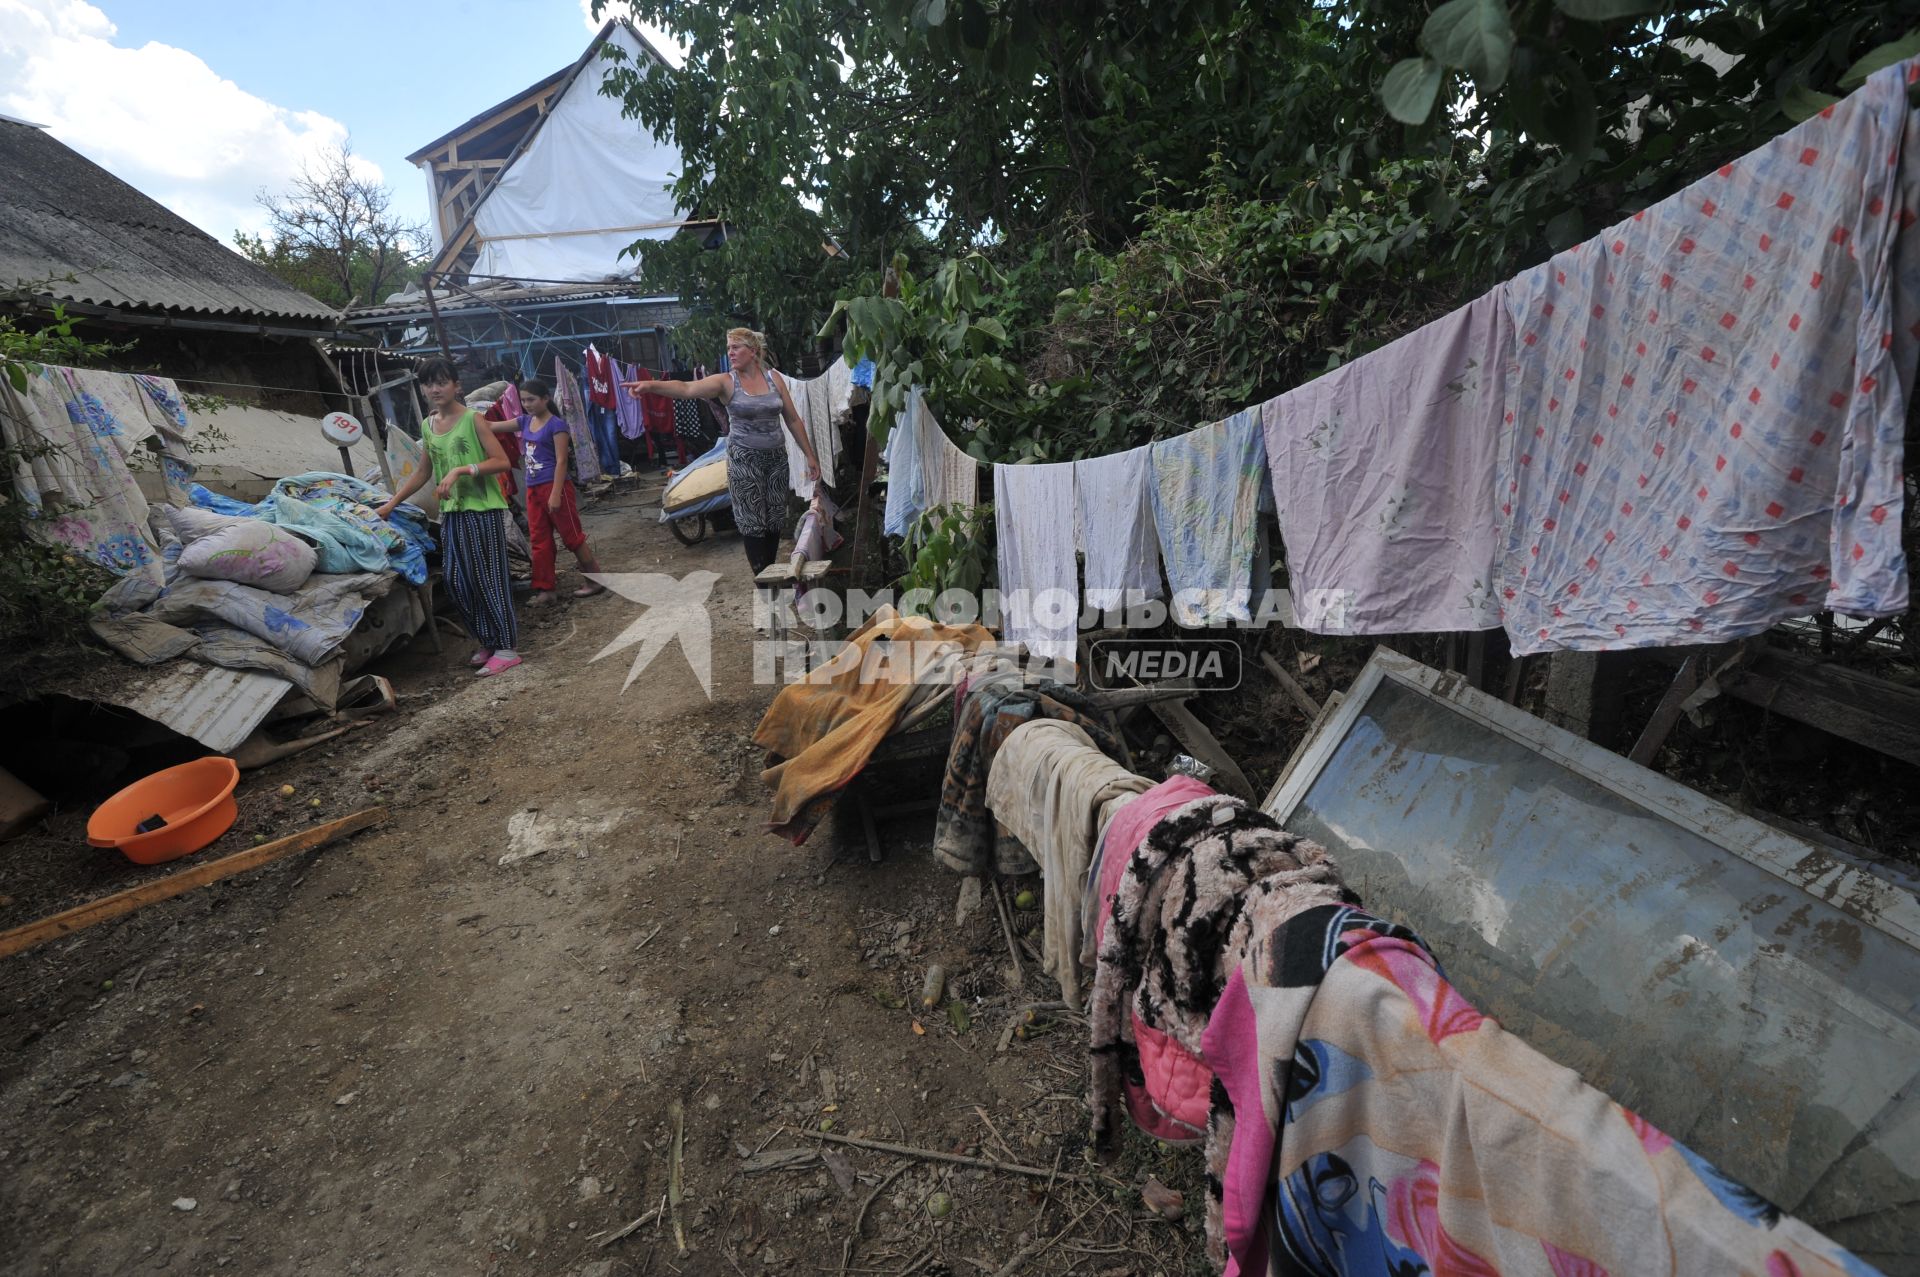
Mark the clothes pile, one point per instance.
(1360, 1118)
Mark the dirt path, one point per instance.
(399, 1056)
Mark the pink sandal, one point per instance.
(480, 657)
(497, 665)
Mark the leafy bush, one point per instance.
(947, 549)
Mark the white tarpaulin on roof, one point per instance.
(584, 188)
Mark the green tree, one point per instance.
(1175, 207)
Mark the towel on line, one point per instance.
(1383, 474)
(1206, 492)
(1039, 577)
(1114, 528)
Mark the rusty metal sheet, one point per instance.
(217, 707)
(1754, 996)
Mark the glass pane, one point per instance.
(1774, 1034)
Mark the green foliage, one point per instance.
(935, 332)
(948, 548)
(1594, 109)
(1115, 219)
(25, 347)
(1216, 304)
(1220, 305)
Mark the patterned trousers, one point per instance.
(473, 559)
(757, 483)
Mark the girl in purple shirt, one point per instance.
(547, 443)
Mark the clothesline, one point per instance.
(1683, 430)
(235, 385)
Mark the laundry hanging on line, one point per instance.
(1039, 577)
(925, 469)
(573, 406)
(1708, 401)
(628, 407)
(1114, 528)
(1382, 472)
(1207, 488)
(1701, 430)
(821, 402)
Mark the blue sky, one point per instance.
(200, 103)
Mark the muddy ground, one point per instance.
(397, 1055)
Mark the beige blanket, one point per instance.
(1050, 787)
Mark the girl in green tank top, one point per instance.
(457, 457)
(466, 462)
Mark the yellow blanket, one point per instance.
(828, 727)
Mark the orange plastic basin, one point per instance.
(195, 799)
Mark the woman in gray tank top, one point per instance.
(758, 410)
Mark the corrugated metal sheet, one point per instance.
(63, 215)
(454, 302)
(217, 707)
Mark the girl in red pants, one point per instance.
(546, 441)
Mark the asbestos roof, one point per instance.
(99, 241)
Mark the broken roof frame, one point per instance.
(1824, 873)
(543, 96)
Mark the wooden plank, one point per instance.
(597, 230)
(811, 571)
(1869, 711)
(1863, 637)
(450, 213)
(1667, 712)
(1300, 695)
(452, 251)
(125, 902)
(1132, 697)
(1200, 742)
(536, 104)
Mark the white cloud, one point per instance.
(156, 116)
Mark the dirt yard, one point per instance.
(397, 1055)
